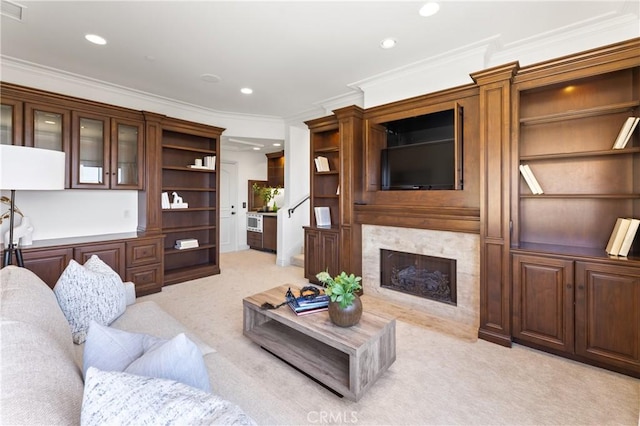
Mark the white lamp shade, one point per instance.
(25, 168)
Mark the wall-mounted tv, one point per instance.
(423, 152)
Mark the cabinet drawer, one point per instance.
(144, 252)
(254, 239)
(147, 279)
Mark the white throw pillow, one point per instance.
(120, 398)
(84, 295)
(110, 349)
(179, 359)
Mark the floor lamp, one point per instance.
(27, 169)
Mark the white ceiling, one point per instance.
(293, 54)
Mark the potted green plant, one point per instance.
(345, 307)
(267, 193)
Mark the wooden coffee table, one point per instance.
(346, 360)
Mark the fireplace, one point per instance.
(461, 317)
(419, 275)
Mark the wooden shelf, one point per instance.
(190, 209)
(182, 143)
(186, 188)
(577, 155)
(188, 228)
(578, 114)
(187, 169)
(186, 148)
(325, 150)
(577, 196)
(172, 251)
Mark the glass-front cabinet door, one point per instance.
(126, 154)
(90, 151)
(49, 127)
(10, 122)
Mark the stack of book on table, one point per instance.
(303, 306)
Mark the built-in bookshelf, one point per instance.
(569, 294)
(183, 144)
(335, 156)
(566, 133)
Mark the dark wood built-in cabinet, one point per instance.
(103, 143)
(581, 308)
(545, 278)
(275, 169)
(136, 258)
(268, 238)
(109, 147)
(568, 295)
(182, 143)
(338, 138)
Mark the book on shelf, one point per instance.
(323, 217)
(629, 236)
(322, 164)
(210, 162)
(206, 163)
(625, 132)
(186, 243)
(165, 200)
(617, 236)
(531, 180)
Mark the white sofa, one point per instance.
(41, 380)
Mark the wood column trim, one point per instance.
(149, 205)
(495, 157)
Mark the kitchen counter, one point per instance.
(266, 213)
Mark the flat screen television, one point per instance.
(427, 166)
(423, 153)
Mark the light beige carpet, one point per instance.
(438, 378)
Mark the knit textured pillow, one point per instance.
(121, 398)
(85, 294)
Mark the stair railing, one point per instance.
(293, 209)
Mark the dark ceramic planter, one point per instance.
(348, 316)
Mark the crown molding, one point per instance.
(473, 50)
(604, 29)
(51, 77)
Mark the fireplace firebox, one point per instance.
(424, 276)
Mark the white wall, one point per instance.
(251, 166)
(297, 180)
(454, 69)
(74, 213)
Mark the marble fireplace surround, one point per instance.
(465, 248)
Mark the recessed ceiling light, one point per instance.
(429, 9)
(388, 43)
(210, 78)
(255, 148)
(246, 90)
(277, 144)
(95, 39)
